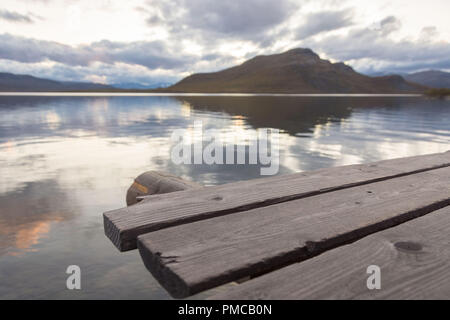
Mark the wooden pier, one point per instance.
(308, 235)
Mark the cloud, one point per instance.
(230, 17)
(30, 50)
(370, 50)
(107, 73)
(15, 17)
(151, 54)
(145, 62)
(178, 37)
(205, 19)
(389, 24)
(429, 33)
(323, 21)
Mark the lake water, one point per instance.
(64, 160)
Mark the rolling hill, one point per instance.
(431, 78)
(294, 71)
(22, 83)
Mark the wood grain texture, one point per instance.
(421, 271)
(161, 211)
(194, 257)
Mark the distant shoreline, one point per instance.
(443, 93)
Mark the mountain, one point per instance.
(431, 78)
(22, 83)
(140, 86)
(294, 71)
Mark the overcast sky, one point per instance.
(150, 41)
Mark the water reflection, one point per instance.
(292, 115)
(65, 160)
(27, 215)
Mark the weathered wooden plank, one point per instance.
(414, 260)
(124, 225)
(194, 257)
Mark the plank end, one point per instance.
(158, 265)
(113, 232)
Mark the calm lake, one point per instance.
(64, 160)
